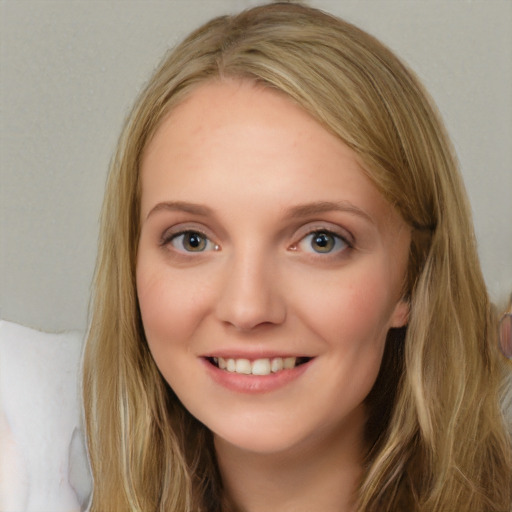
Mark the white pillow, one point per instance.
(43, 462)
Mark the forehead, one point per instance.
(213, 106)
(234, 135)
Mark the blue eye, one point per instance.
(322, 242)
(192, 241)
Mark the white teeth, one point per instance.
(256, 367)
(261, 367)
(277, 364)
(243, 366)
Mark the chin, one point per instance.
(262, 443)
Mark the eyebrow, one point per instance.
(304, 210)
(318, 207)
(181, 206)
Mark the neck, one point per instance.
(317, 474)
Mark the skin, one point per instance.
(261, 175)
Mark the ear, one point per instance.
(400, 315)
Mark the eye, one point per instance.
(323, 242)
(192, 241)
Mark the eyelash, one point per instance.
(336, 240)
(169, 239)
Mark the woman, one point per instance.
(289, 311)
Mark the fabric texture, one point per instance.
(43, 462)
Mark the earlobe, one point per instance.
(400, 315)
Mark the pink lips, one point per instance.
(254, 384)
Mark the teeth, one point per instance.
(243, 366)
(277, 364)
(230, 365)
(289, 362)
(261, 367)
(256, 367)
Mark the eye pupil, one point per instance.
(323, 242)
(194, 242)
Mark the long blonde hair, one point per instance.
(437, 439)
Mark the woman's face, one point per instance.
(269, 269)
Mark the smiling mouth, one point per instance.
(258, 366)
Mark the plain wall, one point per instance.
(70, 70)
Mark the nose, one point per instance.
(251, 295)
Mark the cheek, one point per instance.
(352, 319)
(352, 309)
(169, 306)
(170, 310)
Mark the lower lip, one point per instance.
(254, 384)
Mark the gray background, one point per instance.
(70, 70)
